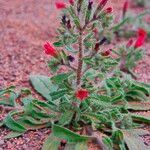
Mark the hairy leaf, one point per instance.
(43, 85)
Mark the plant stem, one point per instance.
(80, 60)
(80, 55)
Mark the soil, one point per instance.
(24, 27)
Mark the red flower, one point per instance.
(108, 10)
(139, 42)
(49, 49)
(129, 44)
(106, 53)
(142, 33)
(71, 2)
(82, 94)
(60, 5)
(125, 8)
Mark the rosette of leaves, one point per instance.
(107, 106)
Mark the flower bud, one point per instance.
(90, 5)
(96, 48)
(69, 24)
(103, 41)
(108, 10)
(71, 2)
(64, 20)
(60, 5)
(70, 58)
(100, 7)
(125, 8)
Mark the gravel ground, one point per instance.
(24, 27)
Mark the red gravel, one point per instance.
(24, 27)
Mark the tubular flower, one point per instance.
(82, 94)
(142, 34)
(60, 5)
(125, 8)
(129, 44)
(139, 42)
(71, 2)
(108, 10)
(50, 50)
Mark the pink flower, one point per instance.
(129, 44)
(50, 50)
(82, 94)
(108, 10)
(71, 2)
(60, 5)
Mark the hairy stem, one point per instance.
(80, 60)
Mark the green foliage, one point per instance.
(8, 96)
(111, 91)
(74, 141)
(43, 85)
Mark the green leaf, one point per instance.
(140, 118)
(43, 86)
(58, 44)
(51, 143)
(13, 134)
(66, 118)
(133, 139)
(136, 95)
(138, 106)
(70, 136)
(117, 136)
(1, 124)
(58, 79)
(81, 146)
(108, 142)
(119, 25)
(58, 94)
(140, 87)
(74, 16)
(12, 124)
